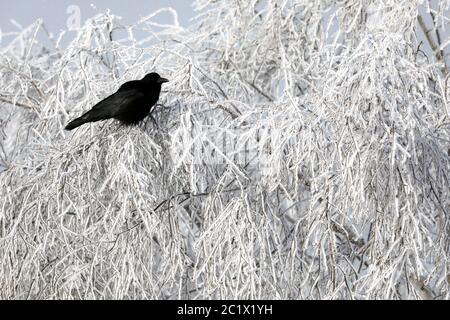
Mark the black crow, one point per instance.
(130, 104)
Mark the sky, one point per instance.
(55, 12)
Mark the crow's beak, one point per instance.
(162, 80)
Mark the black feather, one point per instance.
(130, 104)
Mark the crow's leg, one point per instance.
(154, 121)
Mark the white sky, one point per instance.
(54, 12)
(55, 16)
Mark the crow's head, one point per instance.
(154, 78)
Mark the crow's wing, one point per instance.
(117, 103)
(121, 102)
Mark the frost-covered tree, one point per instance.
(302, 151)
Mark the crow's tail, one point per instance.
(76, 123)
